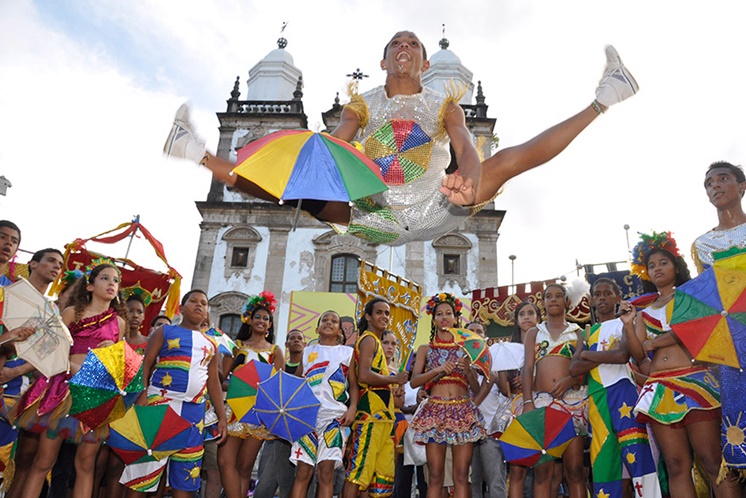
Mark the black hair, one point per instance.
(456, 316)
(736, 170)
(362, 325)
(193, 291)
(682, 270)
(516, 336)
(422, 45)
(136, 298)
(152, 323)
(346, 319)
(12, 226)
(294, 330)
(608, 281)
(39, 255)
(559, 286)
(245, 331)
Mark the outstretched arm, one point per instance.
(348, 126)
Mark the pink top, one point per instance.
(89, 332)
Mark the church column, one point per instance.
(208, 239)
(415, 261)
(275, 270)
(487, 272)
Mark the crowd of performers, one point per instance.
(649, 415)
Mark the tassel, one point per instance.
(358, 106)
(454, 94)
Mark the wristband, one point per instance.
(527, 401)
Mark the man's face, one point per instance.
(723, 189)
(604, 299)
(404, 55)
(48, 268)
(378, 320)
(9, 240)
(295, 342)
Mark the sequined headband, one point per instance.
(98, 262)
(647, 244)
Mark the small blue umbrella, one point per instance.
(286, 406)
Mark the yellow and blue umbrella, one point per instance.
(301, 164)
(537, 436)
(287, 406)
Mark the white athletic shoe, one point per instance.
(617, 83)
(182, 142)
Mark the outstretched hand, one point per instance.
(459, 190)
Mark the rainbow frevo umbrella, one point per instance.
(301, 164)
(538, 436)
(242, 390)
(475, 347)
(709, 312)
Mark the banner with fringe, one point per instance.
(403, 295)
(155, 287)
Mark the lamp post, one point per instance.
(626, 233)
(512, 271)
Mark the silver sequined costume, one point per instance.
(403, 138)
(717, 240)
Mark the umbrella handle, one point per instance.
(6, 340)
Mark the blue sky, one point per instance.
(88, 89)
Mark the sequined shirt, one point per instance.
(441, 352)
(717, 240)
(404, 137)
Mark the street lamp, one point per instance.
(512, 271)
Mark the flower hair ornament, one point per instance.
(98, 262)
(70, 277)
(647, 244)
(265, 299)
(444, 297)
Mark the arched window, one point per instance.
(343, 277)
(230, 324)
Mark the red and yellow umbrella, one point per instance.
(243, 388)
(537, 436)
(476, 348)
(709, 312)
(301, 164)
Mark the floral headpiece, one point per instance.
(136, 289)
(98, 262)
(265, 299)
(70, 277)
(649, 243)
(443, 297)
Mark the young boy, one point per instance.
(372, 457)
(619, 441)
(180, 366)
(325, 365)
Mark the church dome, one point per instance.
(275, 77)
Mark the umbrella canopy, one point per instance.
(108, 382)
(225, 343)
(242, 390)
(475, 347)
(48, 350)
(300, 164)
(151, 433)
(537, 436)
(709, 312)
(287, 406)
(507, 356)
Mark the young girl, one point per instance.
(95, 319)
(680, 399)
(255, 341)
(549, 348)
(325, 365)
(180, 367)
(525, 317)
(135, 317)
(449, 416)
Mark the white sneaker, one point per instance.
(182, 142)
(617, 83)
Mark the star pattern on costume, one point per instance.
(194, 473)
(631, 457)
(174, 343)
(312, 356)
(601, 494)
(167, 380)
(625, 411)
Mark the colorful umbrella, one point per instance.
(225, 343)
(151, 433)
(709, 312)
(107, 384)
(537, 436)
(287, 406)
(300, 164)
(48, 350)
(475, 347)
(242, 390)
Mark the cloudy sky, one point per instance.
(88, 90)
